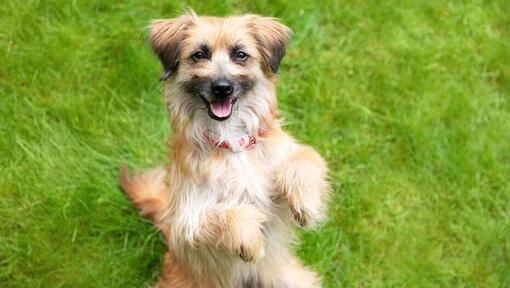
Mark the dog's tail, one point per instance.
(147, 191)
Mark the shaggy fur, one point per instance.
(228, 213)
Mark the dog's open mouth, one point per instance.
(220, 109)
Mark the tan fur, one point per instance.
(301, 178)
(174, 275)
(239, 229)
(147, 191)
(229, 215)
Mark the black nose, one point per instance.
(222, 88)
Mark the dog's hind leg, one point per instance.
(147, 191)
(288, 273)
(174, 275)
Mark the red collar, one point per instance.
(252, 140)
(246, 145)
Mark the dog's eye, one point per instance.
(241, 56)
(198, 55)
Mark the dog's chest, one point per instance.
(236, 181)
(239, 178)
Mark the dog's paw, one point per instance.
(245, 232)
(307, 211)
(252, 244)
(302, 178)
(300, 215)
(252, 253)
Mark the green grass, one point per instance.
(407, 100)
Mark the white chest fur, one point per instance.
(237, 180)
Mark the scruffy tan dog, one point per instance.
(236, 183)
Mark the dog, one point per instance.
(237, 185)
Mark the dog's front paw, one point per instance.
(303, 180)
(245, 232)
(300, 215)
(252, 252)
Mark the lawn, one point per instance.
(409, 102)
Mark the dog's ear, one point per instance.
(165, 37)
(272, 37)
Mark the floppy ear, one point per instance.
(272, 37)
(165, 37)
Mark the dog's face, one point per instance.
(218, 63)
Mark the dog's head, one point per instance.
(216, 65)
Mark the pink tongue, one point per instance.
(221, 109)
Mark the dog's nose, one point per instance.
(222, 88)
